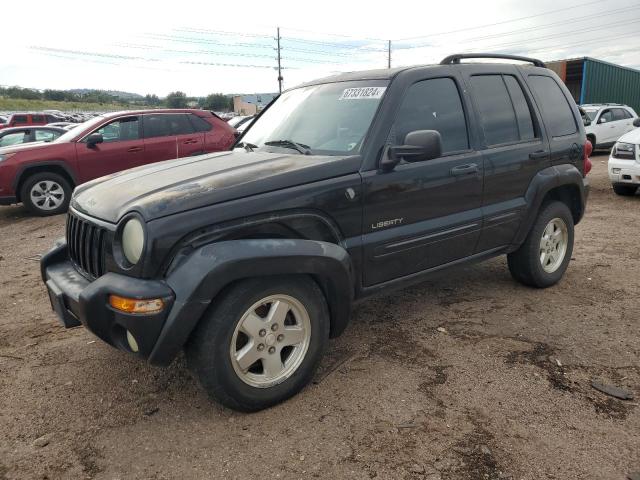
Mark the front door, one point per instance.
(424, 214)
(122, 148)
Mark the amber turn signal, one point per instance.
(132, 305)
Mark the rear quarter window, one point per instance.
(556, 110)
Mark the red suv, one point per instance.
(28, 119)
(42, 176)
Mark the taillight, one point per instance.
(588, 148)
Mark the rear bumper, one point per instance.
(77, 301)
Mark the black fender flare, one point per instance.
(24, 170)
(202, 275)
(541, 184)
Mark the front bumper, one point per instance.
(77, 301)
(626, 171)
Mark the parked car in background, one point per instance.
(605, 123)
(240, 129)
(42, 175)
(235, 122)
(3, 120)
(24, 119)
(624, 162)
(20, 135)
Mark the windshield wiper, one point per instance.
(300, 147)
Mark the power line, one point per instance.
(549, 12)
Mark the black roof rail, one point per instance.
(455, 59)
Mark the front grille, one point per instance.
(85, 242)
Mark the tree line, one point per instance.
(177, 99)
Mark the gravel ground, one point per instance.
(466, 376)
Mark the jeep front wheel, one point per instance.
(261, 342)
(46, 193)
(545, 254)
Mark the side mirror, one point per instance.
(602, 120)
(94, 139)
(636, 122)
(419, 145)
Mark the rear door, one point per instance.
(122, 148)
(424, 214)
(190, 142)
(623, 120)
(159, 141)
(512, 146)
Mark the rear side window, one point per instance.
(433, 105)
(199, 124)
(521, 107)
(497, 112)
(19, 119)
(556, 110)
(165, 125)
(620, 114)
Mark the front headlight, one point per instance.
(624, 150)
(133, 240)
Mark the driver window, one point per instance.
(432, 105)
(120, 130)
(606, 116)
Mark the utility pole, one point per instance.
(279, 66)
(389, 56)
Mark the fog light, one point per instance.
(133, 345)
(616, 170)
(132, 305)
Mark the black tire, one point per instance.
(208, 350)
(62, 186)
(625, 190)
(525, 264)
(592, 141)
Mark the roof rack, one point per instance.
(455, 59)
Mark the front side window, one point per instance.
(120, 130)
(607, 116)
(556, 110)
(12, 139)
(328, 119)
(432, 105)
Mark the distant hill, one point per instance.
(116, 93)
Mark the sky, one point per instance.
(203, 47)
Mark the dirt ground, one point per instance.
(466, 376)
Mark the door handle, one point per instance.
(464, 170)
(189, 141)
(539, 155)
(134, 149)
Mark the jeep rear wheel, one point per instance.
(625, 190)
(545, 254)
(261, 342)
(46, 193)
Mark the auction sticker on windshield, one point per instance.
(362, 93)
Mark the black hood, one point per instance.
(173, 186)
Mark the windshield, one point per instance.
(73, 133)
(328, 119)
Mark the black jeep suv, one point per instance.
(250, 260)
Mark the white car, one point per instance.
(605, 123)
(624, 162)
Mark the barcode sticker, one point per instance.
(360, 93)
